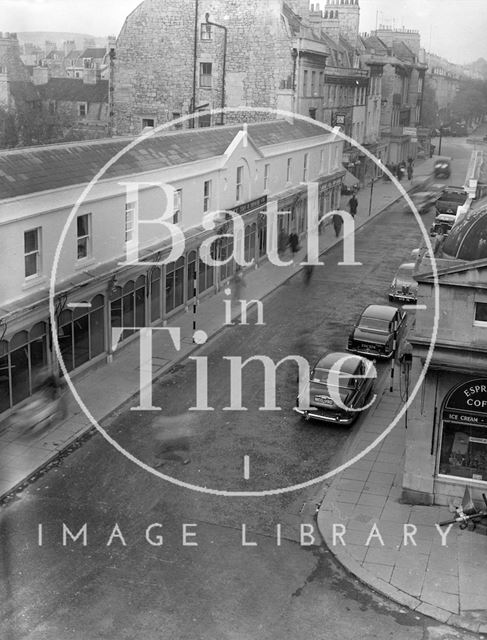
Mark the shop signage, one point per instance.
(466, 418)
(467, 403)
(410, 131)
(250, 206)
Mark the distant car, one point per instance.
(404, 287)
(354, 388)
(375, 330)
(442, 168)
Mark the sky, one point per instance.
(454, 29)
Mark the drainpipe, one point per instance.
(195, 51)
(224, 65)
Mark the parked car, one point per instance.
(404, 287)
(450, 199)
(375, 330)
(355, 386)
(442, 168)
(442, 224)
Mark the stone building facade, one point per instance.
(446, 437)
(241, 54)
(124, 269)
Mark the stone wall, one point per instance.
(154, 67)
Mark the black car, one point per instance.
(375, 330)
(349, 384)
(442, 168)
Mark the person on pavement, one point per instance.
(353, 204)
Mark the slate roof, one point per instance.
(74, 90)
(94, 52)
(72, 55)
(402, 51)
(36, 169)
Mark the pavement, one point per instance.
(442, 582)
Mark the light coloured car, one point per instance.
(404, 287)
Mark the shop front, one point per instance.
(462, 451)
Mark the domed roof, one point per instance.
(468, 239)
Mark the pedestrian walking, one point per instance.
(294, 242)
(337, 223)
(353, 204)
(238, 285)
(410, 169)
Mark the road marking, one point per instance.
(420, 307)
(246, 467)
(77, 305)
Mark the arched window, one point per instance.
(21, 360)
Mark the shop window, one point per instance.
(262, 235)
(81, 333)
(83, 226)
(206, 276)
(32, 252)
(249, 242)
(22, 359)
(206, 69)
(174, 285)
(155, 294)
(191, 276)
(463, 449)
(481, 314)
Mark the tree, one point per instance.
(470, 102)
(429, 109)
(8, 129)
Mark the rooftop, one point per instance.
(37, 169)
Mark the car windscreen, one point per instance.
(377, 324)
(321, 376)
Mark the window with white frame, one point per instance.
(205, 31)
(206, 195)
(205, 74)
(305, 167)
(267, 173)
(289, 170)
(83, 232)
(32, 252)
(178, 201)
(129, 221)
(239, 189)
